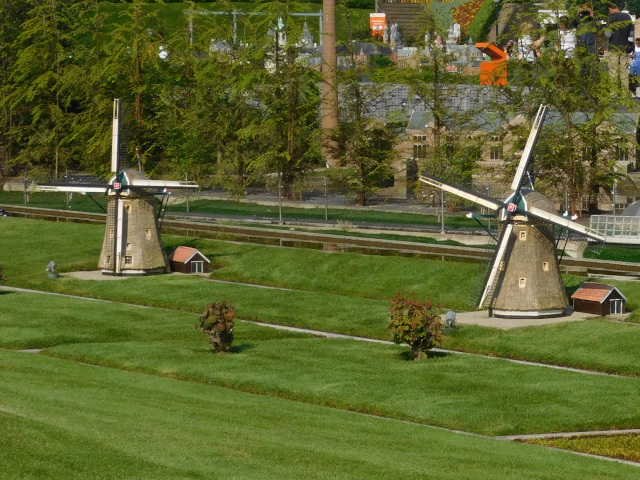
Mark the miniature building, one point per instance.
(494, 71)
(598, 299)
(188, 260)
(529, 284)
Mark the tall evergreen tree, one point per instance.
(12, 14)
(42, 90)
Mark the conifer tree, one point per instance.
(41, 89)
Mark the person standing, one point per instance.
(619, 32)
(634, 71)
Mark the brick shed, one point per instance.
(598, 299)
(188, 260)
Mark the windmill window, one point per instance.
(111, 232)
(523, 236)
(197, 267)
(128, 259)
(522, 282)
(128, 208)
(545, 266)
(147, 232)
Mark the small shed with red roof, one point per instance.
(188, 260)
(598, 299)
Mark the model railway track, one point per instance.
(328, 241)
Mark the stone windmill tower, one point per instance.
(524, 277)
(132, 243)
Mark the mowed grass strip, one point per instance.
(66, 320)
(596, 344)
(624, 447)
(26, 246)
(475, 394)
(65, 420)
(463, 392)
(77, 247)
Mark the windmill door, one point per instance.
(615, 306)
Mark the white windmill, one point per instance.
(524, 276)
(132, 243)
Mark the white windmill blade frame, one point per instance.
(162, 183)
(115, 136)
(564, 222)
(73, 188)
(527, 153)
(484, 201)
(495, 267)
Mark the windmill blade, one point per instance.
(482, 200)
(516, 185)
(564, 222)
(115, 137)
(137, 182)
(503, 243)
(76, 188)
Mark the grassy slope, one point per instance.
(66, 420)
(598, 345)
(36, 244)
(456, 391)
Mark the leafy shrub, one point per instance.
(217, 322)
(415, 324)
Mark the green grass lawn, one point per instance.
(162, 354)
(64, 420)
(344, 293)
(487, 396)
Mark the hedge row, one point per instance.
(485, 18)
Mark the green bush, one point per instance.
(415, 324)
(217, 322)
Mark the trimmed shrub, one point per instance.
(217, 322)
(415, 324)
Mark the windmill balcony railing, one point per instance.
(616, 226)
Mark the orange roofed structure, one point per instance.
(188, 260)
(494, 71)
(598, 299)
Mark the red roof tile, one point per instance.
(184, 254)
(594, 292)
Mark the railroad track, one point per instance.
(304, 239)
